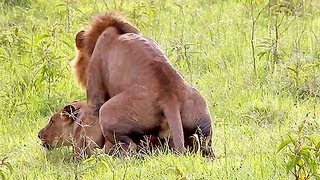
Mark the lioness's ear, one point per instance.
(71, 112)
(127, 28)
(79, 39)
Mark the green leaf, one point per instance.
(88, 160)
(291, 163)
(315, 168)
(290, 155)
(314, 138)
(306, 147)
(307, 162)
(283, 144)
(292, 139)
(177, 171)
(293, 69)
(105, 164)
(261, 54)
(59, 5)
(40, 37)
(306, 153)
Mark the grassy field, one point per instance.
(260, 87)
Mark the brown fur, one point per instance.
(73, 125)
(142, 88)
(86, 40)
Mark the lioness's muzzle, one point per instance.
(47, 146)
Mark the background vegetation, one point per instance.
(256, 62)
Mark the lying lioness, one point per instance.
(75, 125)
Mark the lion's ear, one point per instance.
(71, 112)
(79, 39)
(127, 28)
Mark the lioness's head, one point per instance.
(58, 132)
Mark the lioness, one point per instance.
(118, 65)
(73, 125)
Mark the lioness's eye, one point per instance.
(51, 121)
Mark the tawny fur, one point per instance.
(134, 89)
(73, 125)
(98, 24)
(84, 133)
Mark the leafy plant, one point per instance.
(302, 153)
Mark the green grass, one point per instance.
(208, 42)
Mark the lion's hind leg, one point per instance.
(171, 111)
(117, 126)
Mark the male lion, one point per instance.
(142, 89)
